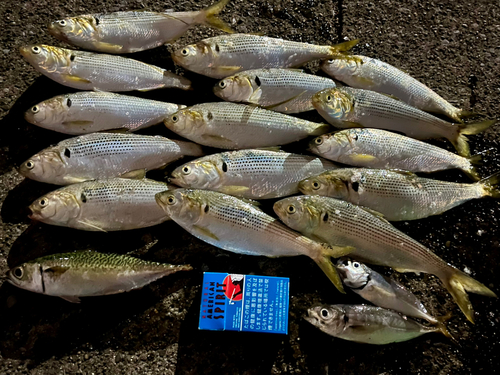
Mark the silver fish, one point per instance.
(88, 112)
(237, 226)
(367, 324)
(103, 205)
(88, 273)
(99, 72)
(375, 240)
(225, 55)
(282, 90)
(126, 32)
(254, 174)
(238, 126)
(375, 148)
(371, 74)
(398, 195)
(382, 291)
(104, 155)
(349, 107)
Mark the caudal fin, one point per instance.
(211, 17)
(460, 140)
(458, 284)
(324, 262)
(490, 185)
(442, 327)
(471, 171)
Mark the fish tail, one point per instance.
(211, 17)
(324, 262)
(461, 114)
(471, 170)
(458, 284)
(460, 140)
(171, 268)
(343, 47)
(490, 185)
(441, 327)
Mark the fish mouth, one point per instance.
(25, 51)
(311, 317)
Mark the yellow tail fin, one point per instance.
(324, 262)
(460, 140)
(490, 185)
(471, 171)
(212, 17)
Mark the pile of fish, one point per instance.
(354, 181)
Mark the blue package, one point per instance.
(247, 303)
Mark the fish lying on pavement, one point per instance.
(367, 324)
(133, 31)
(238, 126)
(398, 195)
(88, 112)
(102, 205)
(225, 55)
(347, 107)
(99, 72)
(254, 174)
(375, 241)
(104, 155)
(383, 291)
(88, 273)
(371, 74)
(376, 148)
(282, 90)
(231, 224)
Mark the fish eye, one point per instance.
(18, 272)
(186, 170)
(35, 109)
(44, 202)
(328, 98)
(290, 209)
(185, 52)
(330, 61)
(325, 313)
(222, 84)
(356, 264)
(171, 199)
(318, 141)
(36, 50)
(315, 185)
(29, 164)
(175, 118)
(62, 23)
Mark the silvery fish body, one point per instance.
(133, 31)
(99, 72)
(254, 174)
(366, 324)
(282, 90)
(231, 224)
(102, 205)
(239, 126)
(225, 55)
(371, 74)
(104, 155)
(88, 112)
(347, 107)
(375, 240)
(381, 291)
(376, 148)
(397, 195)
(88, 273)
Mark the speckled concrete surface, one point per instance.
(451, 46)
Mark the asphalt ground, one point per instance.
(452, 46)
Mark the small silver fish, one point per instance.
(104, 155)
(225, 55)
(371, 74)
(367, 324)
(99, 72)
(89, 111)
(397, 195)
(382, 291)
(375, 240)
(282, 90)
(103, 205)
(254, 174)
(375, 148)
(237, 126)
(126, 32)
(88, 273)
(348, 107)
(231, 224)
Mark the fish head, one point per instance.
(354, 274)
(48, 59)
(192, 55)
(237, 88)
(45, 165)
(329, 319)
(57, 207)
(317, 185)
(299, 213)
(339, 183)
(51, 111)
(26, 276)
(185, 122)
(74, 29)
(182, 205)
(203, 173)
(341, 66)
(334, 104)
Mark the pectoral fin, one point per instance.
(72, 299)
(228, 69)
(219, 139)
(364, 81)
(75, 79)
(349, 124)
(108, 47)
(56, 270)
(137, 174)
(204, 232)
(363, 158)
(234, 190)
(91, 226)
(285, 101)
